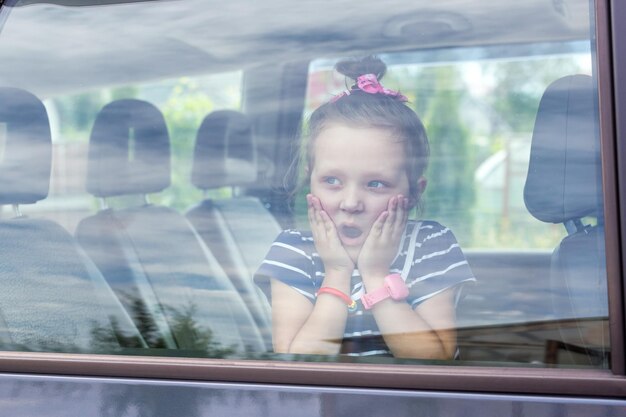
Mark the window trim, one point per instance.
(597, 383)
(610, 39)
(545, 381)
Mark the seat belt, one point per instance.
(410, 252)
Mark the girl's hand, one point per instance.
(326, 239)
(381, 245)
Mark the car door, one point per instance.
(100, 327)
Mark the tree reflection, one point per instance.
(104, 337)
(111, 337)
(549, 343)
(185, 329)
(190, 335)
(144, 321)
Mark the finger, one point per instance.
(309, 204)
(311, 211)
(317, 207)
(401, 214)
(329, 226)
(319, 220)
(388, 221)
(379, 224)
(315, 220)
(320, 214)
(314, 225)
(392, 208)
(316, 202)
(399, 224)
(325, 224)
(330, 230)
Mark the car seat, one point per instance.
(166, 277)
(239, 230)
(52, 296)
(564, 185)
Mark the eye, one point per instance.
(331, 180)
(376, 184)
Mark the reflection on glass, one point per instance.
(174, 263)
(522, 317)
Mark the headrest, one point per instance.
(225, 153)
(25, 147)
(129, 150)
(564, 179)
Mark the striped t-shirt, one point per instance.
(438, 264)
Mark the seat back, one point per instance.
(166, 277)
(52, 297)
(239, 230)
(564, 185)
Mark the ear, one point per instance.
(422, 182)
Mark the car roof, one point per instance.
(61, 46)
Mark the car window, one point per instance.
(171, 177)
(480, 114)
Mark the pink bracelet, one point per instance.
(345, 297)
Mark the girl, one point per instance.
(365, 280)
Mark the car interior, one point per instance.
(138, 248)
(565, 169)
(42, 263)
(126, 266)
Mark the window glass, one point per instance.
(491, 104)
(480, 111)
(187, 179)
(183, 101)
(3, 135)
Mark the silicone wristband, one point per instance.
(393, 287)
(350, 303)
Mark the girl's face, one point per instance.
(356, 170)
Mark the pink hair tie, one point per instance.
(368, 83)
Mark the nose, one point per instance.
(351, 201)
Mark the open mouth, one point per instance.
(351, 232)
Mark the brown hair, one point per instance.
(362, 109)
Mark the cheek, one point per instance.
(375, 206)
(326, 197)
(378, 204)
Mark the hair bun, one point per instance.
(354, 68)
